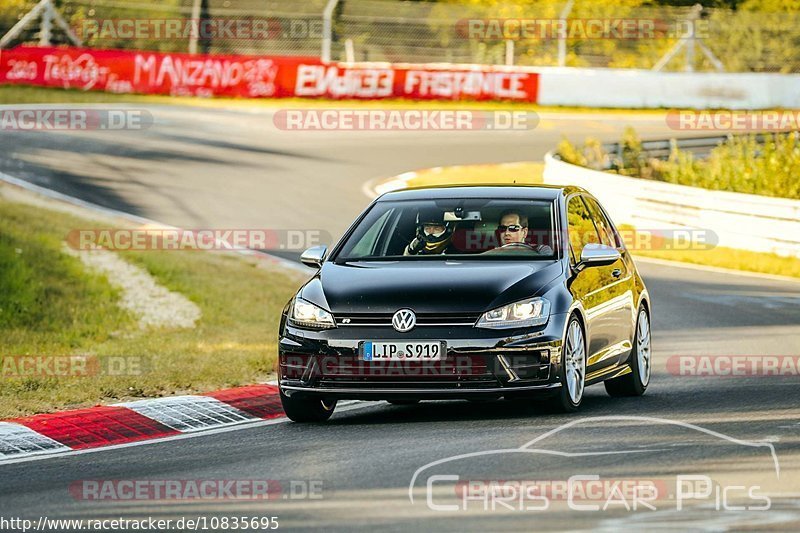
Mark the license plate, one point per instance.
(402, 351)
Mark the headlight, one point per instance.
(305, 314)
(522, 314)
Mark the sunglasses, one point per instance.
(512, 228)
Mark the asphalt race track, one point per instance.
(204, 168)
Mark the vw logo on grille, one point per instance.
(404, 320)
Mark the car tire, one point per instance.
(402, 402)
(308, 408)
(572, 372)
(635, 382)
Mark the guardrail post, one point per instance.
(49, 14)
(509, 52)
(689, 42)
(46, 29)
(327, 30)
(562, 39)
(199, 14)
(349, 51)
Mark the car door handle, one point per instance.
(616, 272)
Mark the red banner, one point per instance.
(419, 82)
(123, 71)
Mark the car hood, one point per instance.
(427, 286)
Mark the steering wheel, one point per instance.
(518, 244)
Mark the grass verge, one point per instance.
(523, 173)
(24, 95)
(50, 305)
(744, 260)
(720, 257)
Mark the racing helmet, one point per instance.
(434, 243)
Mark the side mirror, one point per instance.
(599, 255)
(314, 256)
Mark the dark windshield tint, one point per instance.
(464, 228)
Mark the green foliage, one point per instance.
(741, 164)
(756, 35)
(51, 305)
(589, 155)
(44, 290)
(569, 153)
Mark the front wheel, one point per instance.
(307, 409)
(573, 368)
(635, 382)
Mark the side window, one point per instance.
(604, 227)
(581, 227)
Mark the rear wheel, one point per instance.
(635, 382)
(573, 368)
(308, 408)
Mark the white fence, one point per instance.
(646, 89)
(742, 221)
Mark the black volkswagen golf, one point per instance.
(467, 292)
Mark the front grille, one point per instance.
(456, 370)
(453, 368)
(425, 319)
(454, 385)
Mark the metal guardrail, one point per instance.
(698, 146)
(732, 220)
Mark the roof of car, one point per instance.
(532, 192)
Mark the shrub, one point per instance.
(741, 164)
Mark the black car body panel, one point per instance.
(427, 287)
(448, 297)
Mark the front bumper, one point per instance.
(478, 363)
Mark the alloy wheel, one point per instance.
(575, 361)
(643, 347)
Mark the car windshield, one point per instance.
(453, 228)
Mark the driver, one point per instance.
(433, 234)
(513, 228)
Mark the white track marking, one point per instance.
(189, 413)
(17, 440)
(345, 408)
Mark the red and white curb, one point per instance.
(124, 423)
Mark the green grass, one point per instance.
(740, 164)
(24, 95)
(51, 305)
(721, 257)
(509, 173)
(731, 258)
